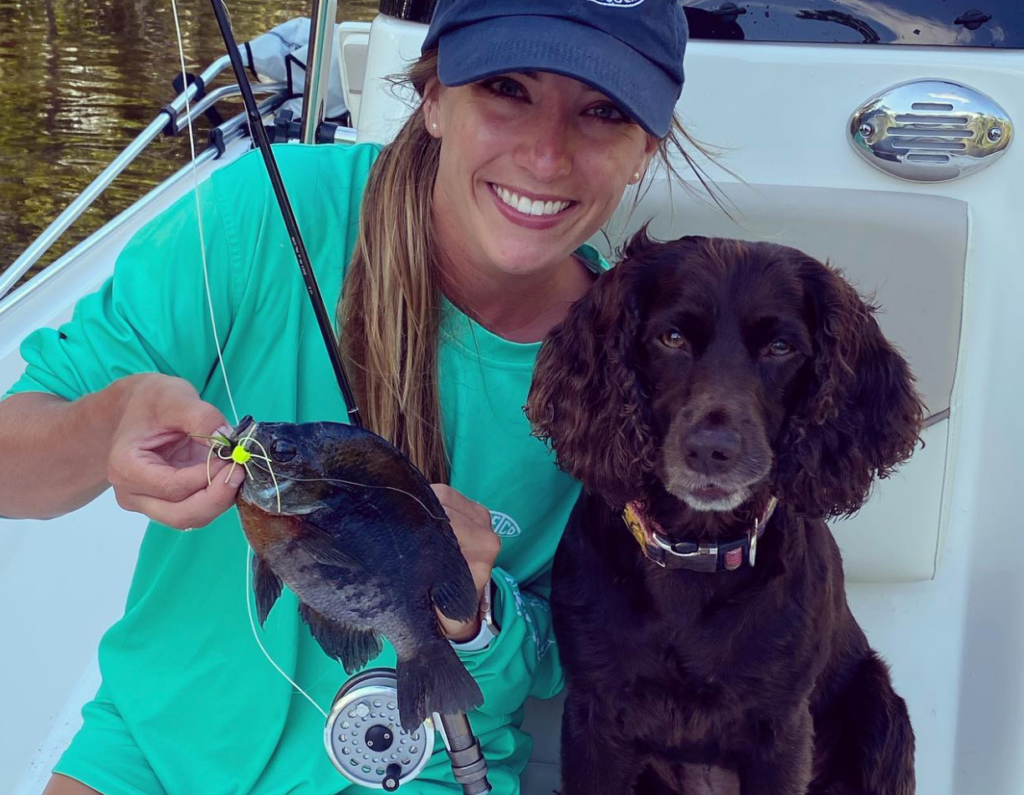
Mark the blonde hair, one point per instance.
(390, 306)
(391, 302)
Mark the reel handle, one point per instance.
(392, 778)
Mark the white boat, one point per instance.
(894, 160)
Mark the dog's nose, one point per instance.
(712, 451)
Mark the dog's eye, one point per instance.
(780, 348)
(673, 339)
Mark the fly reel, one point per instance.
(364, 736)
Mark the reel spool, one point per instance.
(364, 737)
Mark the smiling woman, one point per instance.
(490, 133)
(536, 162)
(459, 245)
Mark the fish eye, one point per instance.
(282, 451)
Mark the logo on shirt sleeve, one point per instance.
(504, 525)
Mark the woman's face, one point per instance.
(532, 165)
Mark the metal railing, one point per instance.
(172, 113)
(230, 131)
(318, 67)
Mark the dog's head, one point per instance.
(720, 368)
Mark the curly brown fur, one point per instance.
(860, 416)
(700, 376)
(593, 392)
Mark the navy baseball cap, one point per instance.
(630, 50)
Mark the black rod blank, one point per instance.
(468, 764)
(312, 288)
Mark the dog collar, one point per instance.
(695, 556)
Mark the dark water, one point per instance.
(79, 79)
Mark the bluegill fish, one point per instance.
(343, 519)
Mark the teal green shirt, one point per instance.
(197, 696)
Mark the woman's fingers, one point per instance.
(148, 474)
(471, 522)
(159, 463)
(199, 506)
(454, 502)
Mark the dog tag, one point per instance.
(752, 555)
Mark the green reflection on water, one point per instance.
(79, 79)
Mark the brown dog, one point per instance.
(721, 399)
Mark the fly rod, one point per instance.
(468, 763)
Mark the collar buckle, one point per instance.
(703, 559)
(706, 558)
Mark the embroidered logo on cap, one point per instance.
(618, 3)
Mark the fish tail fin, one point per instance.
(435, 680)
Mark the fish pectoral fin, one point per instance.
(354, 647)
(323, 547)
(267, 586)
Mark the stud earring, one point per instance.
(636, 177)
(433, 126)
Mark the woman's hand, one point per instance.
(480, 546)
(156, 467)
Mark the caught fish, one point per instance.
(343, 519)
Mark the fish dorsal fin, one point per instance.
(354, 647)
(267, 586)
(456, 595)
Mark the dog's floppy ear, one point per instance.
(859, 416)
(586, 399)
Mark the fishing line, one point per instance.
(469, 767)
(255, 634)
(220, 357)
(199, 210)
(408, 494)
(222, 443)
(270, 469)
